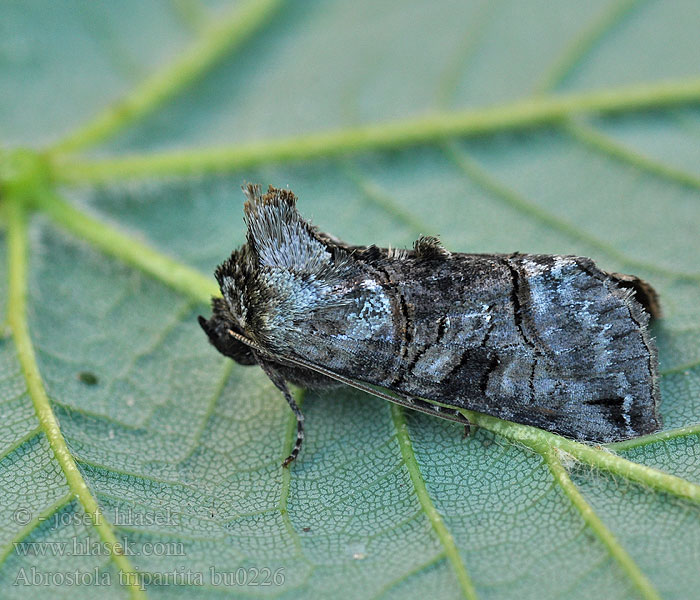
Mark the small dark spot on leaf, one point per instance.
(88, 378)
(306, 528)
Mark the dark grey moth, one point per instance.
(545, 340)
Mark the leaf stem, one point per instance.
(398, 134)
(120, 245)
(591, 519)
(17, 317)
(445, 537)
(214, 42)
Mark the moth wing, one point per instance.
(585, 365)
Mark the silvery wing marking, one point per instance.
(545, 340)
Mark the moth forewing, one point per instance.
(545, 340)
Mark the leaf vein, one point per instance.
(527, 113)
(35, 522)
(444, 536)
(115, 243)
(599, 457)
(584, 42)
(497, 190)
(596, 525)
(30, 435)
(17, 318)
(214, 42)
(596, 140)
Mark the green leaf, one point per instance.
(134, 457)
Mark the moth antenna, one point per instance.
(244, 340)
(416, 404)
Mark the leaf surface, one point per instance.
(126, 132)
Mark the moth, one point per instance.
(545, 340)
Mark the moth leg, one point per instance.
(281, 385)
(449, 414)
(300, 427)
(411, 402)
(470, 429)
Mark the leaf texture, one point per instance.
(126, 131)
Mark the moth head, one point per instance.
(218, 328)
